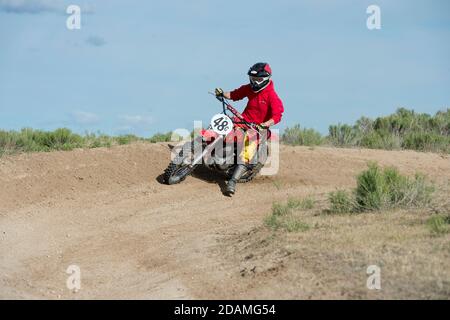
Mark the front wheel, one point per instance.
(178, 170)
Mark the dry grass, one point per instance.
(284, 215)
(329, 259)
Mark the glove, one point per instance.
(218, 92)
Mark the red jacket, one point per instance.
(261, 106)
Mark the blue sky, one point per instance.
(146, 66)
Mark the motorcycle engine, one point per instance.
(225, 161)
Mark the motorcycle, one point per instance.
(217, 148)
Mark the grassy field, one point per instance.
(410, 247)
(377, 189)
(398, 223)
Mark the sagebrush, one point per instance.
(31, 140)
(382, 189)
(405, 129)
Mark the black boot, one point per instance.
(237, 174)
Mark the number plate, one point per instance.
(221, 124)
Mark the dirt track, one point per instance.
(133, 237)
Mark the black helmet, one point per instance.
(259, 74)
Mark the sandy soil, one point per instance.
(106, 211)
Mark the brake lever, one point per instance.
(220, 98)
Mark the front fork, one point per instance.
(207, 150)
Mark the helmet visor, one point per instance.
(258, 80)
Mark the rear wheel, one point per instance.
(251, 173)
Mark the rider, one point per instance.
(264, 107)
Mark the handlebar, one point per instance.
(229, 107)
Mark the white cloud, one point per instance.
(30, 6)
(84, 118)
(38, 6)
(136, 120)
(135, 124)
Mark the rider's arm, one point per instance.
(276, 109)
(240, 93)
(268, 123)
(227, 95)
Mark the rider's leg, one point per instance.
(247, 154)
(239, 171)
(249, 151)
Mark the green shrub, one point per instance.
(30, 140)
(304, 204)
(161, 137)
(288, 223)
(298, 136)
(386, 188)
(381, 189)
(272, 222)
(283, 215)
(294, 225)
(439, 224)
(343, 135)
(364, 125)
(426, 141)
(126, 139)
(279, 209)
(340, 202)
(371, 190)
(404, 129)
